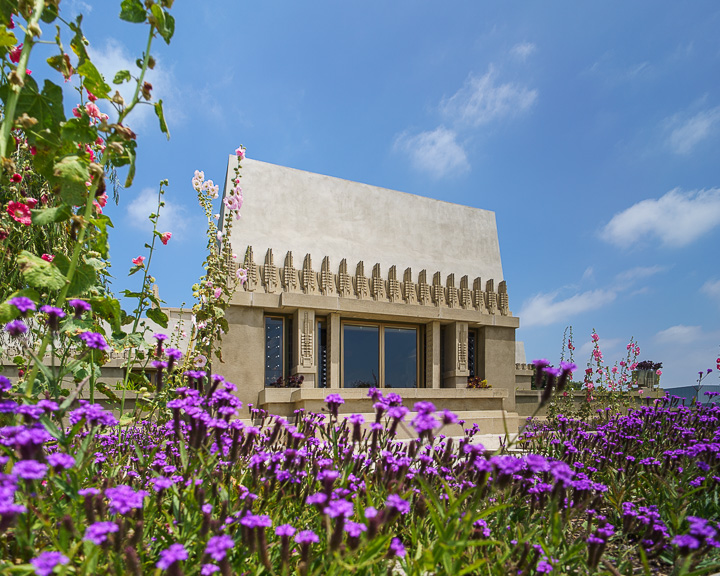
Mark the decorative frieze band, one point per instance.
(442, 294)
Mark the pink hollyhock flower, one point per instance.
(640, 392)
(16, 178)
(218, 292)
(659, 372)
(48, 257)
(15, 54)
(138, 261)
(32, 202)
(241, 275)
(92, 110)
(19, 212)
(164, 237)
(102, 199)
(240, 152)
(91, 96)
(200, 361)
(76, 113)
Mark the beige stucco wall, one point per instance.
(287, 209)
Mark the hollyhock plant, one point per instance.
(19, 212)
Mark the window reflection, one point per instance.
(273, 350)
(361, 359)
(400, 357)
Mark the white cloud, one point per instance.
(436, 152)
(544, 309)
(638, 273)
(712, 289)
(686, 134)
(173, 217)
(676, 219)
(523, 50)
(113, 57)
(679, 334)
(482, 100)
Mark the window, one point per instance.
(379, 355)
(321, 360)
(278, 349)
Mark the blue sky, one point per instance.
(592, 131)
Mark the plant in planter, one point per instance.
(478, 383)
(289, 382)
(647, 374)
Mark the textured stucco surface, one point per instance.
(287, 209)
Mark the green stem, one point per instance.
(91, 196)
(21, 72)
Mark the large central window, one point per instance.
(379, 355)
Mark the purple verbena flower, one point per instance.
(79, 306)
(61, 461)
(5, 384)
(208, 569)
(396, 548)
(168, 557)
(285, 530)
(94, 340)
(97, 533)
(394, 501)
(29, 470)
(23, 304)
(123, 499)
(306, 537)
(46, 561)
(16, 328)
(218, 546)
(339, 508)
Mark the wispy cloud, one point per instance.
(712, 288)
(638, 273)
(675, 219)
(482, 100)
(523, 50)
(173, 217)
(679, 334)
(546, 309)
(436, 152)
(114, 56)
(686, 133)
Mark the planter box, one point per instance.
(646, 378)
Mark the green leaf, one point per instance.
(49, 215)
(122, 76)
(40, 274)
(46, 106)
(84, 278)
(7, 38)
(79, 41)
(164, 22)
(93, 80)
(108, 309)
(78, 131)
(132, 11)
(99, 240)
(49, 13)
(157, 316)
(161, 117)
(71, 172)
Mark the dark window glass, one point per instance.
(361, 356)
(472, 357)
(322, 355)
(273, 350)
(400, 357)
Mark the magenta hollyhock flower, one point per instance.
(45, 563)
(168, 557)
(138, 261)
(165, 237)
(20, 213)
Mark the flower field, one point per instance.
(198, 491)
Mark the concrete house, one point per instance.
(352, 286)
